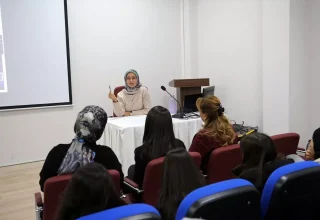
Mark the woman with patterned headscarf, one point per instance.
(134, 99)
(66, 158)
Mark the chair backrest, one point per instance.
(53, 190)
(292, 192)
(152, 183)
(221, 162)
(116, 91)
(286, 143)
(133, 211)
(230, 199)
(116, 179)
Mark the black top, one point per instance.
(104, 156)
(251, 174)
(141, 162)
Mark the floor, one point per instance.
(18, 184)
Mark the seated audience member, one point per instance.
(216, 132)
(180, 177)
(259, 159)
(158, 139)
(66, 158)
(313, 149)
(90, 190)
(134, 99)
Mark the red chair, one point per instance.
(115, 92)
(53, 188)
(152, 180)
(286, 143)
(221, 162)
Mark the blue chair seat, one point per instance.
(292, 192)
(127, 212)
(231, 199)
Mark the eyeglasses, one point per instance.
(133, 78)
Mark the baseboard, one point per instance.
(13, 164)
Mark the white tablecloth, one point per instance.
(124, 134)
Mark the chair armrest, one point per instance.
(301, 152)
(128, 198)
(132, 185)
(38, 199)
(295, 158)
(130, 182)
(38, 205)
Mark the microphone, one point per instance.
(178, 115)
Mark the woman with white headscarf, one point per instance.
(66, 158)
(134, 99)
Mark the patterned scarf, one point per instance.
(89, 127)
(134, 89)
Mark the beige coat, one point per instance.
(139, 102)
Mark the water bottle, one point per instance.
(172, 106)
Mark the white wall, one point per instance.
(257, 54)
(253, 51)
(299, 80)
(314, 86)
(304, 67)
(275, 66)
(106, 39)
(226, 47)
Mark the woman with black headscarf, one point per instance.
(66, 158)
(134, 99)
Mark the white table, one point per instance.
(124, 134)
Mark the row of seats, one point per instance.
(46, 207)
(219, 170)
(222, 161)
(291, 192)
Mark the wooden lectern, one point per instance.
(188, 87)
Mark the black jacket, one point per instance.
(251, 174)
(141, 162)
(104, 156)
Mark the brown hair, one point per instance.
(216, 124)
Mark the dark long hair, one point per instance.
(180, 177)
(90, 190)
(316, 143)
(158, 136)
(257, 149)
